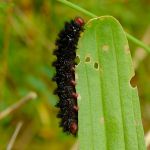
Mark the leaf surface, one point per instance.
(109, 112)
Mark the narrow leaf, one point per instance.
(109, 112)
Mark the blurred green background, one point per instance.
(28, 29)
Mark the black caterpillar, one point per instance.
(65, 74)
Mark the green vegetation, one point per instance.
(107, 113)
(28, 29)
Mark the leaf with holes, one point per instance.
(109, 111)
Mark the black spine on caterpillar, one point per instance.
(65, 74)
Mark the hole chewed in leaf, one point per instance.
(77, 60)
(96, 65)
(133, 81)
(87, 59)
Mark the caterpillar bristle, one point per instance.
(55, 52)
(54, 78)
(57, 105)
(72, 82)
(73, 128)
(66, 45)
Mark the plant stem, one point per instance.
(130, 37)
(77, 8)
(138, 42)
(14, 136)
(17, 105)
(5, 49)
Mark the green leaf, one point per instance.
(109, 112)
